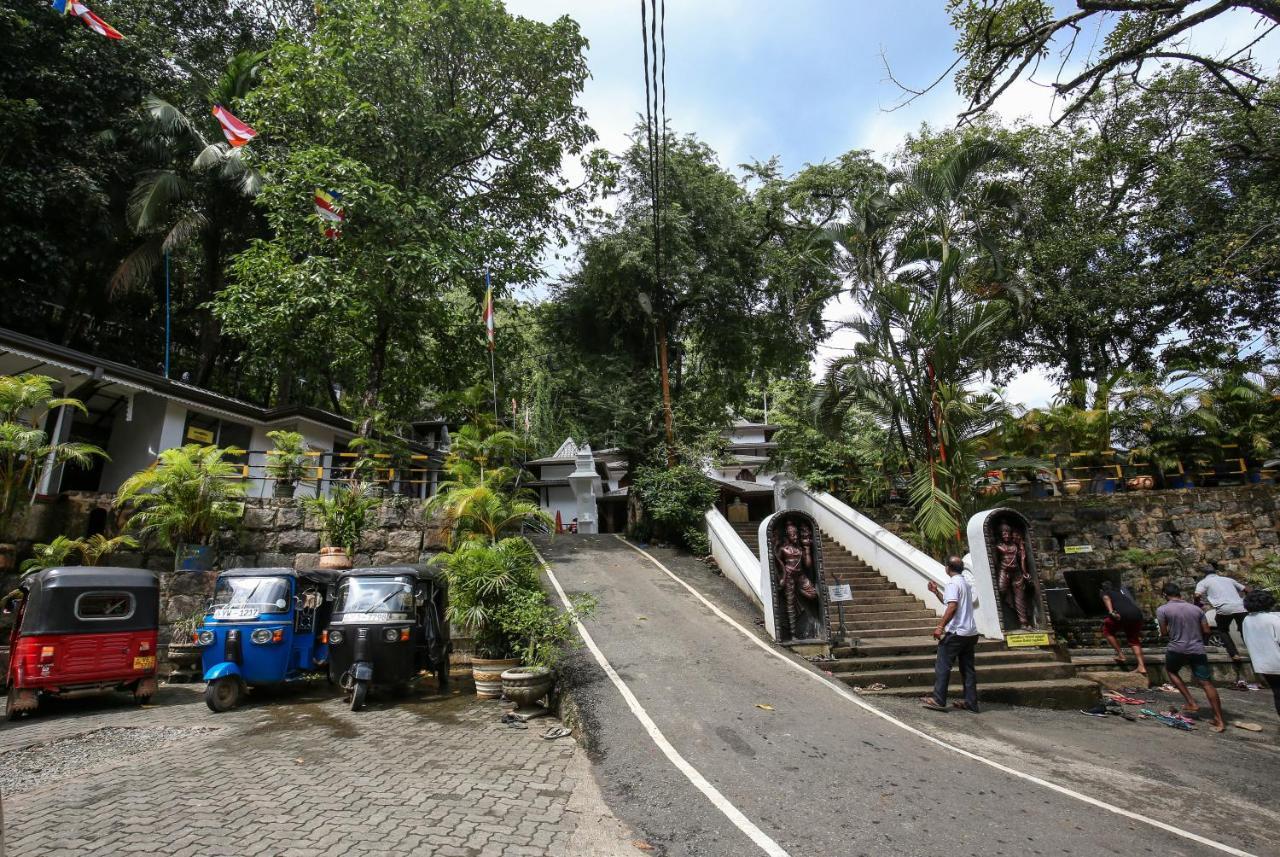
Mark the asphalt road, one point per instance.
(817, 774)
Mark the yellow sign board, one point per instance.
(1027, 638)
(1077, 549)
(199, 435)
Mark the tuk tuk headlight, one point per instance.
(261, 635)
(206, 638)
(335, 638)
(391, 635)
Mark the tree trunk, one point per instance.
(667, 419)
(377, 369)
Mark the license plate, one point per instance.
(234, 613)
(145, 663)
(373, 618)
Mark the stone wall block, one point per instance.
(297, 541)
(409, 541)
(306, 561)
(275, 560)
(394, 557)
(258, 518)
(291, 516)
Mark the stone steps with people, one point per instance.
(888, 645)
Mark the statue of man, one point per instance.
(795, 558)
(1014, 574)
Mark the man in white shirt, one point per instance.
(957, 636)
(1261, 634)
(1226, 597)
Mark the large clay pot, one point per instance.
(1071, 487)
(193, 558)
(1140, 483)
(334, 559)
(488, 672)
(525, 686)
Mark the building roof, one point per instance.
(20, 354)
(742, 423)
(735, 486)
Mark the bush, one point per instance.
(539, 633)
(483, 578)
(675, 501)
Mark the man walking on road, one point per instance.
(1186, 626)
(1225, 597)
(957, 636)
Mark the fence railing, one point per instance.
(411, 475)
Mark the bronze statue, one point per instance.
(804, 611)
(1014, 577)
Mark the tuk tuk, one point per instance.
(262, 627)
(388, 625)
(80, 631)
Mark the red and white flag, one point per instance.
(237, 133)
(92, 21)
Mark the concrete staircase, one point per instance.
(887, 641)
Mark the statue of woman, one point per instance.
(1014, 576)
(804, 611)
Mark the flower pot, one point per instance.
(284, 489)
(193, 558)
(335, 559)
(1071, 487)
(487, 673)
(991, 489)
(1180, 481)
(525, 686)
(1140, 483)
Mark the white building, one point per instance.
(134, 415)
(603, 474)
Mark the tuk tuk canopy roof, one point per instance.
(421, 572)
(311, 575)
(91, 577)
(54, 596)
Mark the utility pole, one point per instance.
(667, 420)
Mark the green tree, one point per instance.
(185, 497)
(444, 127)
(194, 197)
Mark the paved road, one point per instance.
(296, 775)
(817, 774)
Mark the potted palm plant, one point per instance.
(183, 499)
(482, 577)
(184, 651)
(343, 516)
(287, 462)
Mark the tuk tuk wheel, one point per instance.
(358, 693)
(222, 694)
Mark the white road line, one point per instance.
(883, 715)
(755, 834)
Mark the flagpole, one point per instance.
(493, 372)
(166, 313)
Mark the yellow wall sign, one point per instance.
(1034, 638)
(199, 435)
(1077, 549)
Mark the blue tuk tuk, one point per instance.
(263, 627)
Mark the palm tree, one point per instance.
(925, 265)
(50, 555)
(185, 496)
(197, 198)
(25, 447)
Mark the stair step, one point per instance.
(1064, 693)
(896, 631)
(923, 676)
(886, 613)
(903, 645)
(925, 661)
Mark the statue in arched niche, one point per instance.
(1013, 577)
(797, 580)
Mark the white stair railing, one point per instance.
(740, 565)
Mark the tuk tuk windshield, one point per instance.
(389, 597)
(245, 597)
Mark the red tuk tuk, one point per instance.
(81, 630)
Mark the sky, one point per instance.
(803, 80)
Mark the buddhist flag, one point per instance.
(92, 21)
(329, 207)
(488, 310)
(237, 133)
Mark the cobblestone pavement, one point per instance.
(296, 773)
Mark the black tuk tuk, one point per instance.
(388, 625)
(82, 630)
